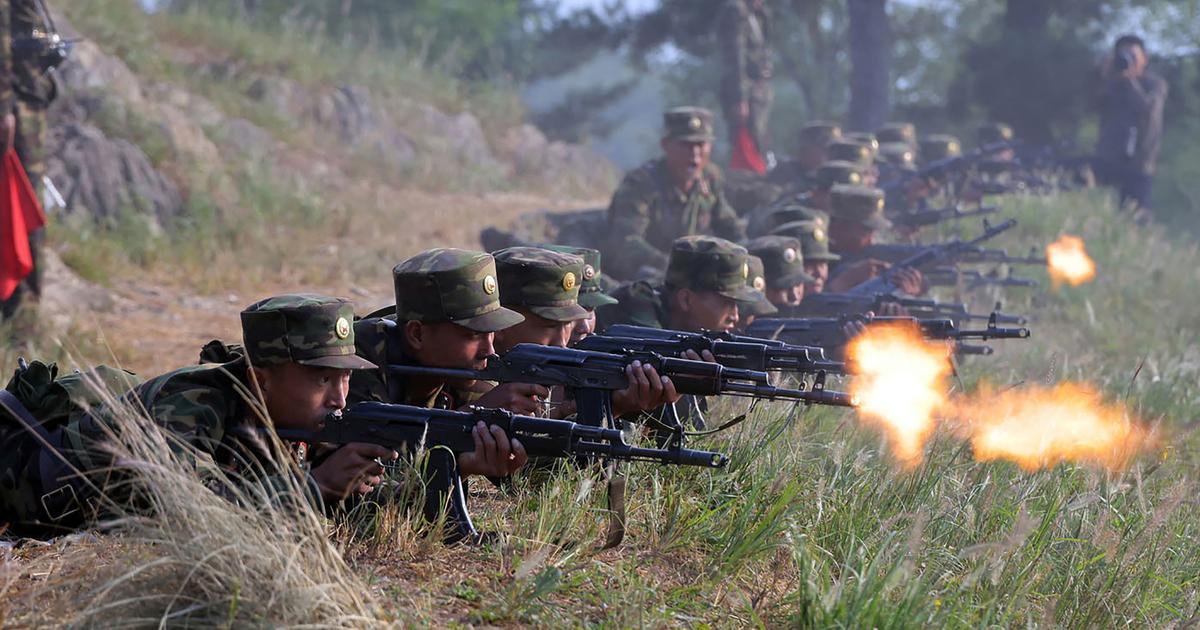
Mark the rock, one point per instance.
(106, 177)
(350, 113)
(90, 71)
(287, 99)
(558, 165)
(460, 137)
(246, 138)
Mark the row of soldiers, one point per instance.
(304, 357)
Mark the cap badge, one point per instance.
(489, 284)
(342, 328)
(568, 281)
(819, 235)
(589, 272)
(789, 255)
(854, 178)
(694, 123)
(745, 270)
(879, 205)
(759, 284)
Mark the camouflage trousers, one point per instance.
(30, 144)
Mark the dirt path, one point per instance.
(158, 324)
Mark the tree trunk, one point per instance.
(870, 60)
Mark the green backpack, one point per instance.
(51, 399)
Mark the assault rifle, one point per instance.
(730, 350)
(922, 218)
(896, 252)
(593, 376)
(931, 256)
(828, 331)
(940, 168)
(973, 278)
(837, 304)
(446, 434)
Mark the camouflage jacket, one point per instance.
(379, 342)
(648, 212)
(747, 59)
(21, 78)
(640, 303)
(205, 407)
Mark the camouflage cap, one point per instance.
(939, 146)
(838, 172)
(708, 263)
(849, 151)
(860, 204)
(693, 124)
(905, 132)
(451, 285)
(544, 282)
(783, 260)
(865, 137)
(301, 328)
(757, 281)
(898, 155)
(814, 241)
(591, 291)
(994, 132)
(819, 133)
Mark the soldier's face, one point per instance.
(448, 345)
(686, 159)
(535, 329)
(300, 396)
(785, 296)
(581, 328)
(818, 269)
(703, 310)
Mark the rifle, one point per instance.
(730, 350)
(446, 434)
(837, 304)
(938, 169)
(973, 279)
(1000, 256)
(827, 331)
(593, 376)
(932, 255)
(922, 218)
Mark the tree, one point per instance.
(870, 63)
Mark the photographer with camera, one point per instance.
(30, 49)
(1131, 124)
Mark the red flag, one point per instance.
(20, 214)
(745, 153)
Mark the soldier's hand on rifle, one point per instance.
(909, 280)
(494, 455)
(892, 309)
(8, 132)
(703, 355)
(647, 390)
(521, 398)
(351, 469)
(853, 328)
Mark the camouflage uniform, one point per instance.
(211, 408)
(648, 211)
(26, 90)
(699, 263)
(437, 285)
(746, 78)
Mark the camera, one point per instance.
(1123, 60)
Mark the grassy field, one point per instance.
(813, 524)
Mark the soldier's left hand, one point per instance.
(703, 355)
(495, 455)
(647, 390)
(909, 280)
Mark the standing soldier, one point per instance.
(679, 194)
(26, 90)
(746, 80)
